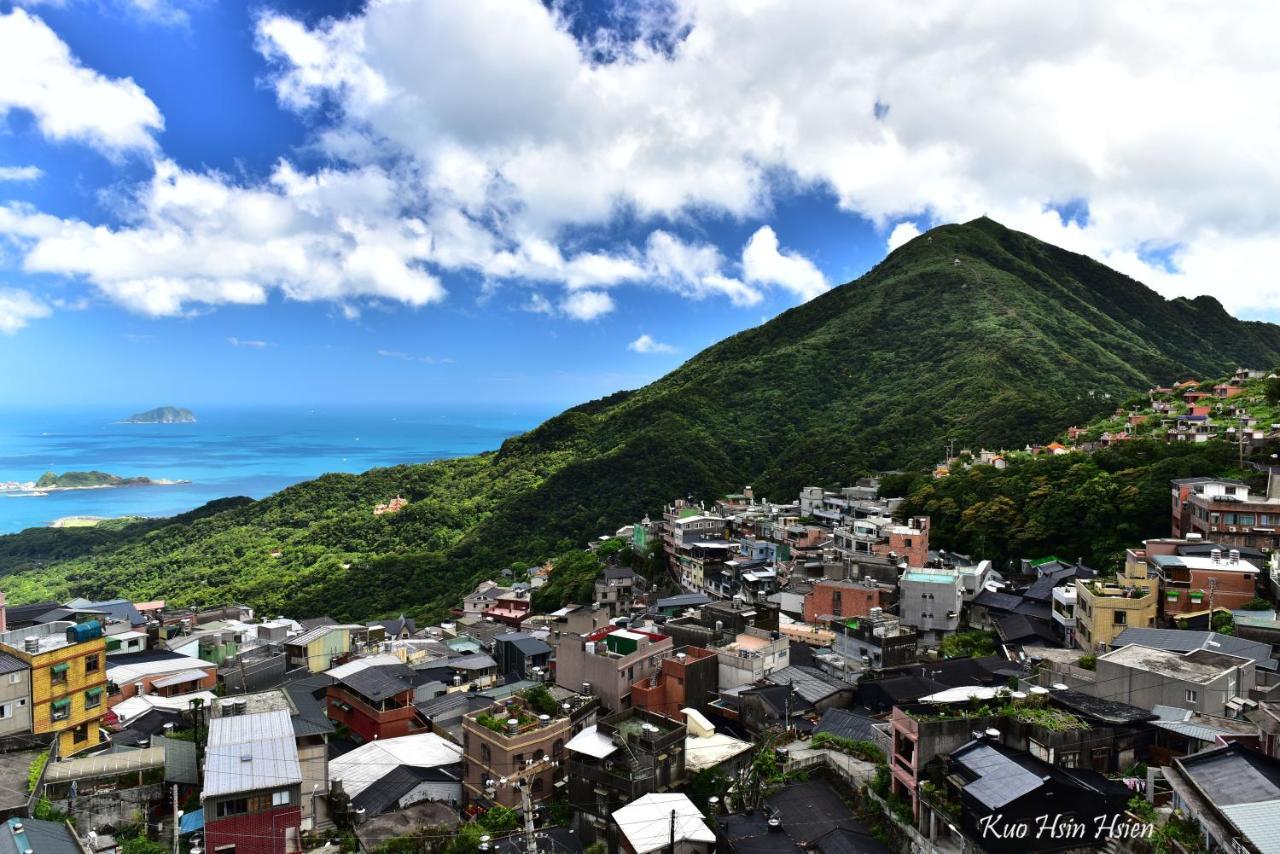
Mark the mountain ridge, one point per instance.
(972, 333)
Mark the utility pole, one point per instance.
(526, 801)
(673, 832)
(1213, 586)
(177, 828)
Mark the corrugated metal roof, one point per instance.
(251, 752)
(1260, 822)
(180, 678)
(1192, 730)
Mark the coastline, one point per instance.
(30, 490)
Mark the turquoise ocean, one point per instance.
(229, 451)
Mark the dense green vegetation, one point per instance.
(1077, 505)
(82, 479)
(971, 333)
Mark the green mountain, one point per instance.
(972, 333)
(163, 415)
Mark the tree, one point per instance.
(498, 819)
(540, 700)
(1273, 390)
(142, 845)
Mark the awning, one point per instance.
(60, 704)
(60, 668)
(592, 743)
(179, 679)
(191, 822)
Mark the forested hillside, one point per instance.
(971, 333)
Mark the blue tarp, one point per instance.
(191, 822)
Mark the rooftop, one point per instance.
(648, 823)
(47, 637)
(247, 753)
(924, 576)
(370, 762)
(1199, 666)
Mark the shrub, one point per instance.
(36, 769)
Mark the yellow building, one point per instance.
(1105, 607)
(68, 680)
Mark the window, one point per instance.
(6, 711)
(93, 698)
(15, 678)
(92, 663)
(80, 733)
(1039, 751)
(1069, 759)
(1244, 519)
(1192, 696)
(485, 754)
(1119, 618)
(280, 798)
(60, 710)
(58, 674)
(232, 806)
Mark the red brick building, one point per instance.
(681, 681)
(374, 701)
(834, 599)
(909, 542)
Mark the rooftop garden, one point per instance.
(1033, 710)
(517, 708)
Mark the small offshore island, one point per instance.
(54, 482)
(162, 415)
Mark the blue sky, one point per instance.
(216, 202)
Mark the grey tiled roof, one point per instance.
(846, 724)
(811, 684)
(379, 683)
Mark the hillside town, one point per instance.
(805, 675)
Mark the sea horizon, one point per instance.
(251, 451)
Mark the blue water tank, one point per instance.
(86, 631)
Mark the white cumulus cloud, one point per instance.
(68, 100)
(587, 305)
(903, 232)
(201, 239)
(18, 308)
(647, 344)
(1161, 122)
(20, 173)
(764, 263)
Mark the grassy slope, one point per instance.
(1013, 343)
